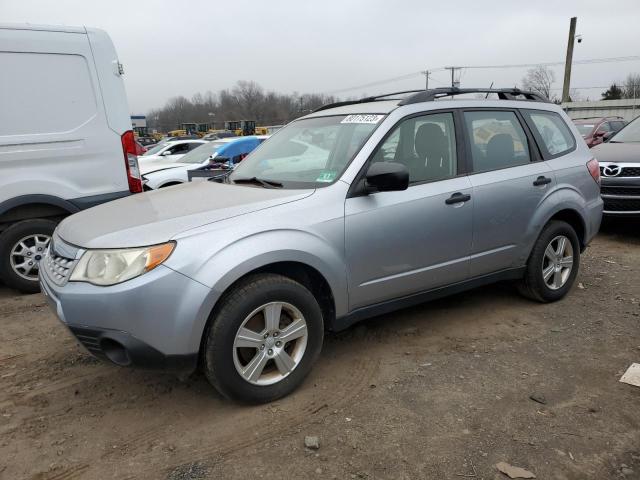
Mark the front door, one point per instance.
(400, 243)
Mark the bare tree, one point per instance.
(540, 80)
(245, 101)
(631, 87)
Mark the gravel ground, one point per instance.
(440, 391)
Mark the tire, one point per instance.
(247, 306)
(9, 240)
(557, 285)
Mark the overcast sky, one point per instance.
(171, 48)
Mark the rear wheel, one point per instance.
(553, 264)
(264, 339)
(22, 246)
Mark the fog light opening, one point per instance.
(115, 352)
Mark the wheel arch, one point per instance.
(577, 222)
(568, 213)
(299, 271)
(169, 183)
(34, 206)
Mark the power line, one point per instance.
(379, 82)
(551, 64)
(630, 58)
(622, 85)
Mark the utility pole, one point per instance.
(454, 84)
(426, 83)
(567, 65)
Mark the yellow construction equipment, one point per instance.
(177, 133)
(241, 127)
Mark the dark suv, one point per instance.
(595, 130)
(620, 169)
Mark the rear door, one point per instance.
(509, 181)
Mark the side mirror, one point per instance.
(166, 153)
(387, 177)
(607, 136)
(600, 133)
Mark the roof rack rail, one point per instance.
(374, 98)
(602, 116)
(503, 94)
(436, 93)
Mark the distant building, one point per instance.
(627, 109)
(139, 123)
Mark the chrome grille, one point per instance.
(625, 171)
(58, 266)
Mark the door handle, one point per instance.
(457, 198)
(541, 180)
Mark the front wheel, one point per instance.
(263, 339)
(553, 264)
(22, 246)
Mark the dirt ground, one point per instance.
(440, 391)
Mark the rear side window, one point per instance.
(497, 140)
(617, 125)
(42, 93)
(552, 133)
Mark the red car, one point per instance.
(595, 130)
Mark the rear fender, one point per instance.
(564, 198)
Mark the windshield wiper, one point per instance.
(258, 181)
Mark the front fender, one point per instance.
(219, 268)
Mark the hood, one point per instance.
(164, 166)
(158, 216)
(154, 162)
(617, 152)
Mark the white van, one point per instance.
(66, 142)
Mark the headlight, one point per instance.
(108, 267)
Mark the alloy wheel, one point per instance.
(270, 343)
(557, 262)
(26, 255)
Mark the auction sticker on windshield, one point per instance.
(361, 118)
(327, 176)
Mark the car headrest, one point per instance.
(500, 148)
(429, 138)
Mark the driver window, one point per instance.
(179, 149)
(426, 145)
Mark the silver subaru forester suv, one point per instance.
(355, 210)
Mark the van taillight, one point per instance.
(594, 169)
(131, 162)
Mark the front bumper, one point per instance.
(153, 321)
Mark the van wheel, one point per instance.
(263, 339)
(553, 264)
(22, 246)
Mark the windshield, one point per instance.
(629, 134)
(584, 128)
(156, 149)
(202, 153)
(309, 153)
